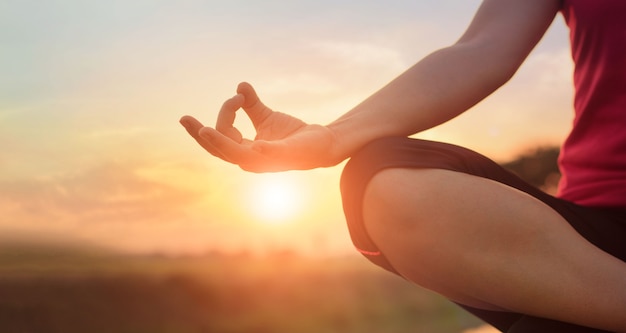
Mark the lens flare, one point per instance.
(275, 198)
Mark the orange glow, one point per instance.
(275, 198)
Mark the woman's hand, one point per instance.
(282, 142)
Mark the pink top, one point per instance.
(593, 158)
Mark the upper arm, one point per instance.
(505, 31)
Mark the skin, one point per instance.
(556, 273)
(496, 248)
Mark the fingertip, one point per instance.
(244, 87)
(239, 98)
(189, 121)
(249, 94)
(184, 120)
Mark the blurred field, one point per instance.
(54, 287)
(62, 288)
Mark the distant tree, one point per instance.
(538, 167)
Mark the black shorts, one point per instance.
(604, 227)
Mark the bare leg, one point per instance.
(486, 245)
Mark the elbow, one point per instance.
(506, 67)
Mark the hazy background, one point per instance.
(94, 165)
(91, 93)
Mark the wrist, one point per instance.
(348, 138)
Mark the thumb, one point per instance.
(250, 95)
(252, 105)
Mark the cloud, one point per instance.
(330, 77)
(365, 55)
(163, 206)
(326, 68)
(107, 193)
(550, 70)
(301, 83)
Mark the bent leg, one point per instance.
(488, 245)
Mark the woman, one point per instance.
(453, 221)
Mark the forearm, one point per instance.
(451, 80)
(435, 90)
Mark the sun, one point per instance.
(275, 198)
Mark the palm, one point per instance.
(278, 126)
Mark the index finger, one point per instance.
(243, 155)
(226, 117)
(228, 149)
(193, 127)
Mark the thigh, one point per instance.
(488, 245)
(605, 228)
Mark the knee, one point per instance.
(400, 202)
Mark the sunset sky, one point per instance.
(91, 93)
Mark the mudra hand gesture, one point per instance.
(282, 142)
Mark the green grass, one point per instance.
(65, 289)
